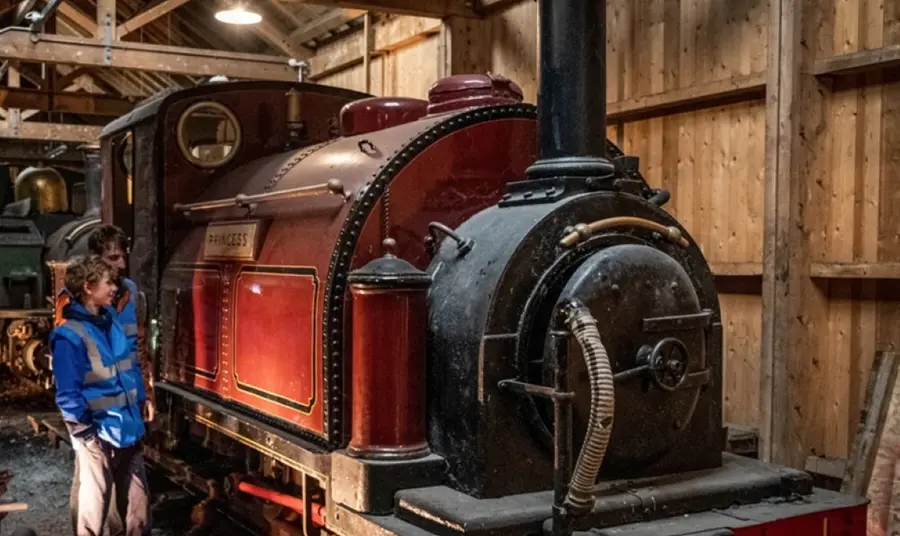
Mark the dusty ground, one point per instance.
(42, 475)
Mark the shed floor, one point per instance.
(42, 474)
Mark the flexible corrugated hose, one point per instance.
(584, 327)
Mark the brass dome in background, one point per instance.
(45, 187)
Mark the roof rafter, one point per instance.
(66, 101)
(421, 8)
(325, 24)
(49, 131)
(146, 17)
(16, 43)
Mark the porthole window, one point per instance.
(209, 134)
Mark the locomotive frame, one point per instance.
(531, 202)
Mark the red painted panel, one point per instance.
(440, 185)
(205, 300)
(840, 522)
(274, 352)
(195, 299)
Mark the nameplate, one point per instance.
(231, 241)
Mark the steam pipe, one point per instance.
(288, 501)
(583, 326)
(92, 178)
(572, 95)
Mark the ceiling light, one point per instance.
(238, 15)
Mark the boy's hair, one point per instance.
(85, 269)
(103, 235)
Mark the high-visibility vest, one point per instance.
(124, 310)
(113, 387)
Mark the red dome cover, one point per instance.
(466, 90)
(379, 113)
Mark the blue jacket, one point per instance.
(99, 387)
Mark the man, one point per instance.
(100, 391)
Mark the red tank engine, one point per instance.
(459, 315)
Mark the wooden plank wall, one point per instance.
(854, 219)
(712, 158)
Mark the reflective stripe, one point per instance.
(130, 329)
(99, 371)
(107, 402)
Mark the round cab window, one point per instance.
(208, 134)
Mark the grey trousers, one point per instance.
(100, 471)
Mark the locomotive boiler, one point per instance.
(39, 232)
(459, 315)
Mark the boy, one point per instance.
(100, 393)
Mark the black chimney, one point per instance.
(572, 95)
(92, 178)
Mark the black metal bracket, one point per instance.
(38, 20)
(561, 522)
(515, 386)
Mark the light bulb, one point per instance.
(238, 15)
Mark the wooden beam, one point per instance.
(736, 269)
(74, 74)
(858, 62)
(855, 270)
(78, 19)
(49, 132)
(881, 390)
(14, 113)
(323, 25)
(79, 23)
(286, 13)
(489, 7)
(15, 43)
(281, 41)
(146, 17)
(71, 102)
(464, 46)
(368, 45)
(420, 8)
(387, 35)
(783, 253)
(738, 89)
(29, 151)
(795, 307)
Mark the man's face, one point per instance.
(115, 257)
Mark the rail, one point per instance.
(333, 186)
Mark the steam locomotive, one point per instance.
(40, 231)
(459, 315)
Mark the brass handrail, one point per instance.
(583, 231)
(333, 186)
